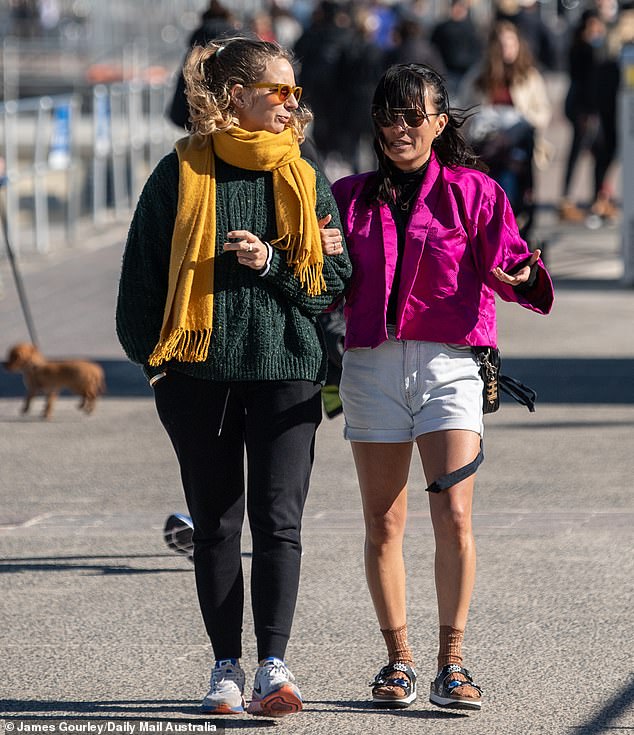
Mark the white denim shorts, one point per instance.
(404, 388)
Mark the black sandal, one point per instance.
(405, 680)
(443, 689)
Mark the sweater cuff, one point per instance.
(267, 266)
(276, 263)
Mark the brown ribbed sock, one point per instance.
(450, 652)
(450, 649)
(397, 650)
(397, 647)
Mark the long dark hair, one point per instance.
(495, 71)
(409, 85)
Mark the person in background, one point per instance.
(286, 25)
(590, 106)
(215, 22)
(361, 62)
(512, 111)
(432, 240)
(261, 25)
(620, 33)
(527, 18)
(581, 104)
(228, 263)
(608, 77)
(458, 42)
(411, 42)
(318, 51)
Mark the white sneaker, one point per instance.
(226, 692)
(275, 693)
(178, 534)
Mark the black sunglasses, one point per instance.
(412, 117)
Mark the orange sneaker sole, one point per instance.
(225, 709)
(279, 703)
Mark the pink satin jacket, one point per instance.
(461, 227)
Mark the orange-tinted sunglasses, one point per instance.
(283, 91)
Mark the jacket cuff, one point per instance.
(528, 285)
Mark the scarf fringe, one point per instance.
(184, 345)
(311, 278)
(309, 275)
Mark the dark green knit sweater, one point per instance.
(264, 327)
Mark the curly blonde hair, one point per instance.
(211, 71)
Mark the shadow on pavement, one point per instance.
(575, 380)
(556, 380)
(84, 564)
(588, 284)
(613, 710)
(123, 380)
(84, 710)
(91, 564)
(368, 707)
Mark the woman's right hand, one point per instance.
(249, 249)
(331, 239)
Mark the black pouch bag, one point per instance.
(489, 360)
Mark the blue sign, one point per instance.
(60, 152)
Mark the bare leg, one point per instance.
(455, 561)
(382, 470)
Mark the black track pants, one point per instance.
(210, 424)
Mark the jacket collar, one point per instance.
(416, 234)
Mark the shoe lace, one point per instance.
(278, 672)
(223, 674)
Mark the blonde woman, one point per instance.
(228, 263)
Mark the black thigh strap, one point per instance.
(452, 478)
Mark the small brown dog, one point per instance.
(42, 376)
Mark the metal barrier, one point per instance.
(37, 142)
(130, 134)
(79, 158)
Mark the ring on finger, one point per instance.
(250, 248)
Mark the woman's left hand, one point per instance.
(249, 249)
(331, 239)
(522, 275)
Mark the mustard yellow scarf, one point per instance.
(188, 315)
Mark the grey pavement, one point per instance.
(100, 620)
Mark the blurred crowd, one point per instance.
(493, 58)
(33, 18)
(495, 69)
